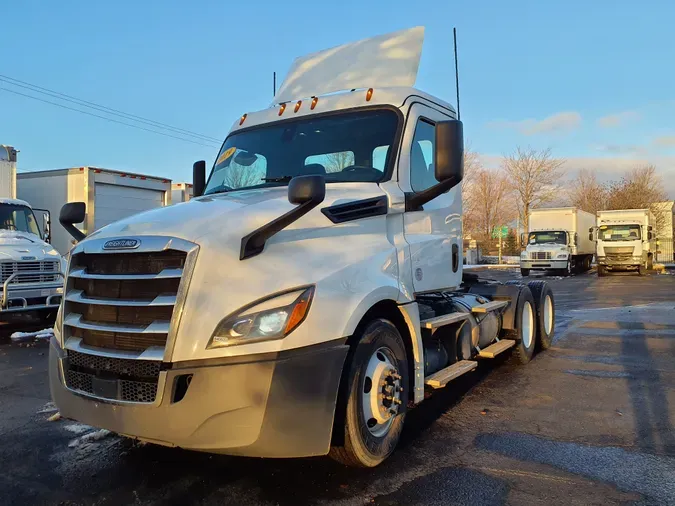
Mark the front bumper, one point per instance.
(620, 262)
(271, 405)
(30, 298)
(543, 264)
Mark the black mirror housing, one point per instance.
(198, 178)
(71, 213)
(303, 189)
(590, 236)
(449, 151)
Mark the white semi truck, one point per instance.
(31, 270)
(309, 294)
(557, 240)
(625, 240)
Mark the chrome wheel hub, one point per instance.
(381, 392)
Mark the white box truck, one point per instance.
(625, 240)
(309, 294)
(31, 270)
(557, 240)
(181, 192)
(110, 195)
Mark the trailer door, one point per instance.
(114, 202)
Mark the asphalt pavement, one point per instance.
(590, 421)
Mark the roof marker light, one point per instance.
(315, 100)
(369, 94)
(297, 106)
(243, 118)
(282, 109)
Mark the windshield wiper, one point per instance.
(280, 179)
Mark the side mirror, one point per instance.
(198, 178)
(306, 191)
(71, 213)
(449, 151)
(47, 226)
(303, 189)
(522, 239)
(576, 239)
(650, 228)
(650, 236)
(590, 236)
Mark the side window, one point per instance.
(422, 156)
(380, 157)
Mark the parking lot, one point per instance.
(591, 421)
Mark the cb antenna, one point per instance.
(274, 84)
(454, 36)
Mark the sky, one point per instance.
(593, 81)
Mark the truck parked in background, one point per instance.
(31, 270)
(181, 192)
(625, 240)
(109, 195)
(309, 294)
(557, 240)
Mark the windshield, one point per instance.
(619, 232)
(18, 218)
(346, 147)
(547, 238)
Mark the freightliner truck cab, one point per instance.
(309, 294)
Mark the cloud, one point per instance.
(666, 141)
(619, 149)
(608, 168)
(618, 119)
(559, 122)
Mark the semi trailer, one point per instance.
(625, 240)
(110, 195)
(311, 292)
(557, 240)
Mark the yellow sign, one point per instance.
(226, 154)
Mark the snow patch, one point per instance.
(78, 428)
(89, 438)
(47, 408)
(16, 237)
(26, 336)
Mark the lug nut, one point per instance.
(397, 401)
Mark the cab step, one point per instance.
(493, 305)
(496, 348)
(446, 319)
(441, 378)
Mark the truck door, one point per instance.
(434, 233)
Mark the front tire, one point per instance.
(642, 270)
(376, 393)
(524, 272)
(602, 271)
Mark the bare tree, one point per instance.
(335, 162)
(492, 203)
(239, 176)
(587, 193)
(533, 176)
(640, 188)
(472, 166)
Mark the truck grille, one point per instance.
(31, 272)
(540, 255)
(619, 253)
(122, 301)
(112, 378)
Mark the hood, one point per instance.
(230, 215)
(25, 246)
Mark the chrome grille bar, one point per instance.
(156, 327)
(160, 300)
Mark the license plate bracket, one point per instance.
(106, 388)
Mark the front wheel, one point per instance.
(525, 333)
(642, 270)
(602, 271)
(524, 272)
(376, 394)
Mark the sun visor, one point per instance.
(383, 61)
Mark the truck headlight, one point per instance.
(523, 255)
(562, 255)
(273, 318)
